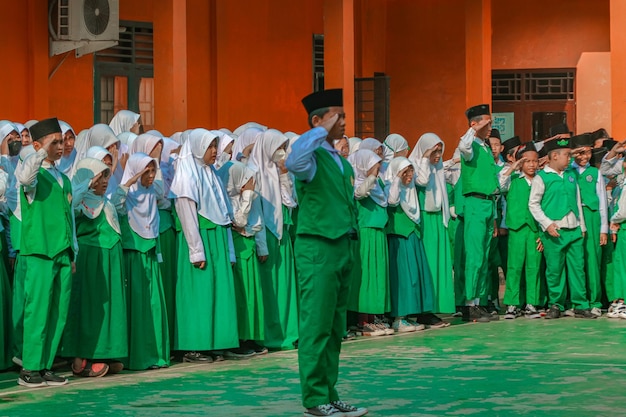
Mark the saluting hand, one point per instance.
(134, 179)
(328, 124)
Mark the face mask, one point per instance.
(224, 157)
(15, 147)
(279, 155)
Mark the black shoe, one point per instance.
(254, 346)
(239, 353)
(491, 315)
(348, 410)
(476, 314)
(196, 357)
(553, 313)
(52, 379)
(31, 379)
(584, 314)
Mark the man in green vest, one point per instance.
(327, 220)
(555, 204)
(594, 202)
(47, 248)
(480, 189)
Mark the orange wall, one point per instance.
(426, 61)
(593, 92)
(370, 40)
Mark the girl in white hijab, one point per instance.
(369, 293)
(204, 287)
(410, 277)
(126, 121)
(433, 194)
(100, 135)
(373, 145)
(69, 152)
(355, 144)
(239, 131)
(393, 146)
(249, 242)
(97, 318)
(139, 222)
(242, 147)
(225, 149)
(278, 268)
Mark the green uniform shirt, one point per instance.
(479, 175)
(517, 212)
(371, 214)
(587, 181)
(96, 232)
(400, 224)
(560, 194)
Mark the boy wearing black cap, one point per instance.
(480, 188)
(326, 223)
(594, 201)
(555, 205)
(47, 249)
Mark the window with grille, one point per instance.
(371, 105)
(533, 85)
(318, 62)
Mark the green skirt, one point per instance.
(149, 342)
(618, 287)
(280, 299)
(369, 292)
(248, 290)
(206, 310)
(436, 243)
(409, 275)
(6, 321)
(167, 241)
(96, 325)
(18, 305)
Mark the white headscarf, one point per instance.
(197, 181)
(145, 143)
(249, 125)
(355, 144)
(92, 204)
(436, 192)
(245, 139)
(66, 162)
(123, 121)
(30, 123)
(127, 138)
(408, 193)
(98, 152)
(97, 135)
(268, 179)
(176, 137)
(395, 143)
(6, 127)
(362, 161)
(141, 202)
(12, 194)
(370, 144)
(222, 157)
(234, 176)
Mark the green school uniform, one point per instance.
(459, 246)
(167, 241)
(6, 322)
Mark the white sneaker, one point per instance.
(569, 313)
(370, 330)
(385, 327)
(511, 313)
(531, 312)
(615, 310)
(402, 326)
(596, 312)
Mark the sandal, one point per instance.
(90, 370)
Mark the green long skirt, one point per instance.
(167, 240)
(6, 320)
(248, 289)
(206, 311)
(96, 325)
(409, 276)
(280, 294)
(369, 292)
(437, 246)
(149, 342)
(618, 287)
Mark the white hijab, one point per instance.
(245, 139)
(355, 144)
(408, 193)
(145, 143)
(123, 121)
(66, 162)
(167, 163)
(362, 161)
(234, 176)
(268, 179)
(395, 143)
(91, 205)
(222, 157)
(6, 127)
(249, 125)
(197, 181)
(141, 202)
(98, 152)
(127, 138)
(97, 135)
(370, 144)
(436, 192)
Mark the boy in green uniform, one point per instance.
(594, 202)
(47, 249)
(480, 189)
(326, 221)
(555, 205)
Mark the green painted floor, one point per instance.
(565, 367)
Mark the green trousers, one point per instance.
(608, 272)
(479, 216)
(324, 272)
(619, 259)
(593, 257)
(561, 252)
(523, 256)
(459, 264)
(18, 305)
(47, 288)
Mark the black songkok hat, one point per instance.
(579, 141)
(495, 133)
(477, 111)
(554, 144)
(511, 143)
(324, 98)
(45, 128)
(600, 134)
(527, 147)
(597, 155)
(560, 129)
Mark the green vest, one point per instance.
(479, 175)
(166, 220)
(327, 205)
(400, 224)
(560, 194)
(371, 214)
(47, 226)
(517, 212)
(132, 241)
(96, 232)
(587, 181)
(459, 199)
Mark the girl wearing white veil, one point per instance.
(69, 152)
(278, 273)
(410, 278)
(204, 288)
(126, 121)
(433, 194)
(243, 145)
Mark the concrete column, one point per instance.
(477, 52)
(618, 64)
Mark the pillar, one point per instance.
(477, 52)
(618, 63)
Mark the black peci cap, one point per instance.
(580, 141)
(560, 129)
(511, 143)
(324, 98)
(477, 111)
(495, 133)
(527, 147)
(554, 144)
(45, 128)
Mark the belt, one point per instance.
(492, 197)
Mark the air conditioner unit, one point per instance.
(84, 25)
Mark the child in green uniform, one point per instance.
(96, 331)
(524, 241)
(149, 344)
(47, 250)
(6, 323)
(619, 256)
(594, 202)
(555, 205)
(204, 287)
